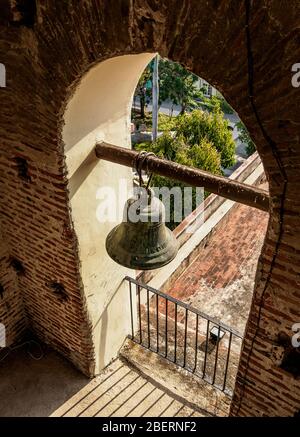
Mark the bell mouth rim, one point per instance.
(140, 263)
(145, 266)
(140, 223)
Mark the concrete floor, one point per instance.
(30, 387)
(51, 386)
(122, 391)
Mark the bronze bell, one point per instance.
(142, 241)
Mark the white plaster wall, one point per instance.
(100, 109)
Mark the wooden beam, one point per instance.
(228, 188)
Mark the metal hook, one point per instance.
(140, 160)
(138, 166)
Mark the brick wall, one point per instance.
(253, 70)
(35, 215)
(35, 226)
(12, 314)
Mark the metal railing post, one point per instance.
(185, 329)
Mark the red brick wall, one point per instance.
(34, 208)
(44, 64)
(35, 227)
(12, 314)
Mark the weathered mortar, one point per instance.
(44, 64)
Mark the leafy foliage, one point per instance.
(200, 139)
(173, 147)
(175, 84)
(212, 126)
(205, 156)
(244, 137)
(179, 85)
(165, 122)
(225, 107)
(217, 101)
(141, 90)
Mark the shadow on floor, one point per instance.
(122, 391)
(51, 386)
(33, 387)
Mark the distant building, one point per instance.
(208, 89)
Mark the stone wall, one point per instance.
(244, 49)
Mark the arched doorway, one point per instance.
(99, 110)
(235, 46)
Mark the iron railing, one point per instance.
(184, 335)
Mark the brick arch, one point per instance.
(251, 66)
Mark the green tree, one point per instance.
(244, 137)
(219, 101)
(179, 85)
(205, 156)
(142, 91)
(202, 155)
(212, 126)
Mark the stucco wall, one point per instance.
(100, 109)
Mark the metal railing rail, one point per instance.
(176, 340)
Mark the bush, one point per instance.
(205, 156)
(225, 107)
(212, 126)
(200, 139)
(244, 137)
(214, 103)
(166, 122)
